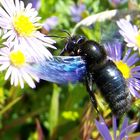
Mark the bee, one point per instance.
(101, 71)
(87, 61)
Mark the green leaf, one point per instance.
(54, 110)
(104, 16)
(99, 17)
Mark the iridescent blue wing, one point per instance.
(61, 69)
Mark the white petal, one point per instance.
(4, 22)
(36, 19)
(8, 73)
(17, 5)
(28, 79)
(4, 66)
(4, 51)
(35, 50)
(29, 46)
(9, 33)
(43, 38)
(11, 7)
(21, 6)
(20, 79)
(31, 13)
(4, 14)
(6, 7)
(33, 75)
(13, 75)
(4, 59)
(16, 78)
(12, 37)
(28, 7)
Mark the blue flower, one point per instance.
(35, 3)
(77, 11)
(50, 23)
(123, 132)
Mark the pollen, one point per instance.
(17, 58)
(138, 39)
(23, 25)
(124, 68)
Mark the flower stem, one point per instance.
(7, 107)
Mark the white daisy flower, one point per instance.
(130, 32)
(20, 26)
(18, 67)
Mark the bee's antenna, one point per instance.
(56, 36)
(69, 35)
(66, 37)
(66, 33)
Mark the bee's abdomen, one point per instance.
(113, 87)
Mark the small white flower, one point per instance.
(18, 67)
(130, 33)
(20, 26)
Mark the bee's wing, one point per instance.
(61, 69)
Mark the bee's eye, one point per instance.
(81, 40)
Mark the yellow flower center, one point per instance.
(124, 68)
(17, 58)
(138, 39)
(23, 25)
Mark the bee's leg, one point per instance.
(89, 86)
(62, 52)
(64, 49)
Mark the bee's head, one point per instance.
(73, 44)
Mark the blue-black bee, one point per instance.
(88, 60)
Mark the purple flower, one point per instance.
(35, 3)
(130, 32)
(117, 2)
(123, 133)
(50, 23)
(126, 63)
(77, 11)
